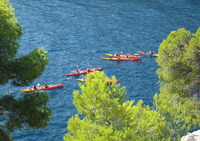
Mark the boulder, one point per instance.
(194, 136)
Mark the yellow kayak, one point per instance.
(108, 81)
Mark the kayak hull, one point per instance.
(108, 81)
(154, 54)
(123, 59)
(121, 56)
(43, 88)
(81, 80)
(84, 72)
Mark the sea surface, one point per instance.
(80, 33)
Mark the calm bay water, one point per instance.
(80, 33)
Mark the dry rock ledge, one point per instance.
(194, 136)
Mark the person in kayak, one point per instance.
(35, 87)
(128, 55)
(89, 70)
(151, 52)
(77, 72)
(46, 86)
(117, 54)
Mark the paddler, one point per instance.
(77, 72)
(117, 54)
(89, 70)
(46, 86)
(35, 87)
(128, 55)
(151, 52)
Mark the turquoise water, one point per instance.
(80, 33)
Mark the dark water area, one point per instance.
(81, 32)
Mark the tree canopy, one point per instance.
(29, 110)
(22, 71)
(179, 61)
(178, 101)
(107, 116)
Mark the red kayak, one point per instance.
(152, 54)
(122, 56)
(43, 88)
(84, 72)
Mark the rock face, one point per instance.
(194, 136)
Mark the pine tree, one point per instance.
(30, 110)
(107, 116)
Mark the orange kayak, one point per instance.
(123, 59)
(43, 88)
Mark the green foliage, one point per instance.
(10, 31)
(28, 111)
(98, 93)
(179, 59)
(109, 117)
(178, 102)
(4, 136)
(21, 70)
(181, 114)
(85, 129)
(29, 67)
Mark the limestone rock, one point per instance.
(194, 136)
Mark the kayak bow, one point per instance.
(154, 54)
